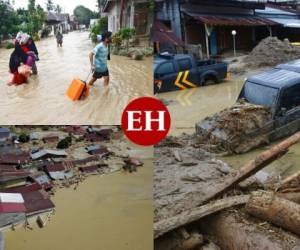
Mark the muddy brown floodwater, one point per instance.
(190, 106)
(43, 100)
(109, 212)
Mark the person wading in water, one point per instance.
(59, 39)
(98, 58)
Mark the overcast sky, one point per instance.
(67, 5)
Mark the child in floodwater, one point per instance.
(98, 58)
(22, 59)
(59, 39)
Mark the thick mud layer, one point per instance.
(43, 100)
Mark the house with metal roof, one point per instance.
(210, 23)
(287, 18)
(48, 153)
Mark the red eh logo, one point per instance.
(146, 121)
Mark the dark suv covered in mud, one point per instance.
(268, 108)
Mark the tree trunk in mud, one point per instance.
(293, 196)
(250, 168)
(232, 231)
(290, 180)
(281, 212)
(164, 226)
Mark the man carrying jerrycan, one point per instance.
(98, 58)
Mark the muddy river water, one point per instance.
(109, 212)
(191, 106)
(43, 100)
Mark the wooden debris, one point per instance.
(177, 155)
(294, 178)
(233, 230)
(253, 166)
(281, 212)
(179, 240)
(166, 225)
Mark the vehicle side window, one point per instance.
(166, 68)
(184, 64)
(291, 98)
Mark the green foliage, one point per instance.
(24, 138)
(46, 31)
(100, 3)
(117, 40)
(151, 5)
(58, 9)
(36, 18)
(9, 20)
(50, 5)
(126, 34)
(9, 45)
(64, 143)
(83, 15)
(98, 28)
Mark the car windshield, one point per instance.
(260, 94)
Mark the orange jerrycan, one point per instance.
(78, 89)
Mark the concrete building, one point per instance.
(210, 23)
(129, 13)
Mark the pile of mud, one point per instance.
(183, 176)
(270, 52)
(230, 129)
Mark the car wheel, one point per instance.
(209, 81)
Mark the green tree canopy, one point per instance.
(50, 5)
(58, 9)
(84, 15)
(9, 19)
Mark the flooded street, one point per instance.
(43, 100)
(109, 212)
(190, 106)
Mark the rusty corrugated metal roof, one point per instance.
(15, 158)
(231, 20)
(162, 34)
(24, 189)
(36, 201)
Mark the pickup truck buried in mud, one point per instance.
(268, 108)
(181, 71)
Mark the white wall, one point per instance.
(113, 18)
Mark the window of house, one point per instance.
(184, 64)
(166, 68)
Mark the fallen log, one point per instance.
(269, 207)
(235, 231)
(289, 180)
(293, 196)
(166, 225)
(250, 168)
(177, 241)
